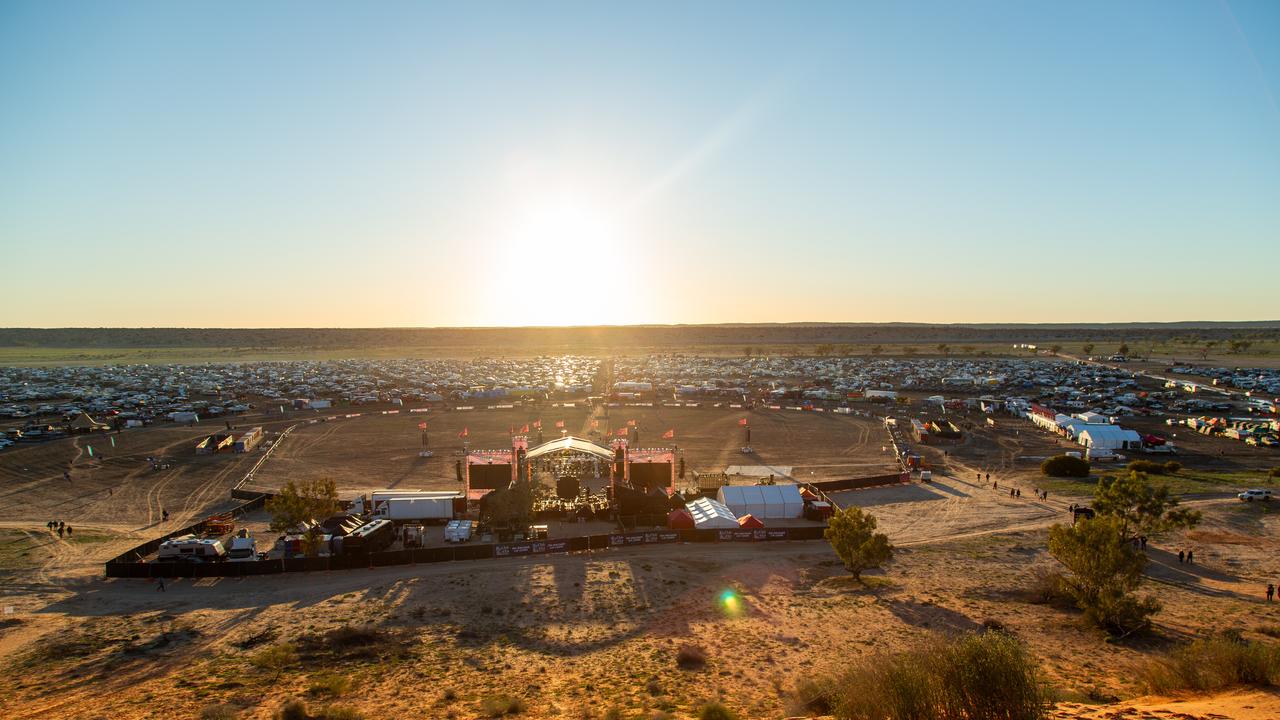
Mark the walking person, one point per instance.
(160, 585)
(68, 531)
(1191, 557)
(59, 531)
(1271, 591)
(1181, 556)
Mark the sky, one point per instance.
(324, 164)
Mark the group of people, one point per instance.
(1187, 556)
(60, 527)
(1015, 492)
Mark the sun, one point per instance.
(567, 259)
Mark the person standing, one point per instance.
(1181, 556)
(1271, 591)
(1191, 557)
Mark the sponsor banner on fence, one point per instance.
(414, 410)
(752, 535)
(536, 547)
(465, 407)
(644, 538)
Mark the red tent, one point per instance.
(679, 520)
(749, 522)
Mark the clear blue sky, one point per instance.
(380, 164)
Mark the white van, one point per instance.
(189, 548)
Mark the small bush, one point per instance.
(1065, 466)
(969, 677)
(716, 711)
(1147, 466)
(329, 683)
(1172, 467)
(275, 658)
(1049, 587)
(501, 705)
(293, 710)
(1269, 630)
(691, 657)
(1215, 663)
(220, 712)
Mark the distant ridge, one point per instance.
(621, 337)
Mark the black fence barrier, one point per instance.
(128, 569)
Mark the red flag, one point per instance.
(464, 433)
(538, 423)
(669, 435)
(422, 426)
(559, 423)
(525, 429)
(743, 422)
(631, 423)
(621, 432)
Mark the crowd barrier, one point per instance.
(126, 568)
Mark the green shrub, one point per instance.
(1147, 466)
(1172, 467)
(220, 712)
(1065, 466)
(716, 711)
(275, 658)
(500, 705)
(988, 676)
(1215, 663)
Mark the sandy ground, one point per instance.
(577, 635)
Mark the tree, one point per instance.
(944, 348)
(876, 350)
(1055, 349)
(1140, 507)
(1065, 466)
(1105, 571)
(852, 534)
(301, 501)
(748, 351)
(1087, 348)
(1123, 349)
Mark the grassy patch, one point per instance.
(988, 675)
(1215, 663)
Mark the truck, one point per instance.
(417, 509)
(369, 505)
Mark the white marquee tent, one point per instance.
(767, 502)
(710, 515)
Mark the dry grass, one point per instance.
(1216, 663)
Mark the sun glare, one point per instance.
(576, 255)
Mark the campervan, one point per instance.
(189, 548)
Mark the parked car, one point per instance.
(1254, 494)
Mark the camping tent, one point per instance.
(709, 514)
(749, 522)
(764, 501)
(680, 520)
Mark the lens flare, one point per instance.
(731, 603)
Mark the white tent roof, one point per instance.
(708, 513)
(763, 501)
(570, 443)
